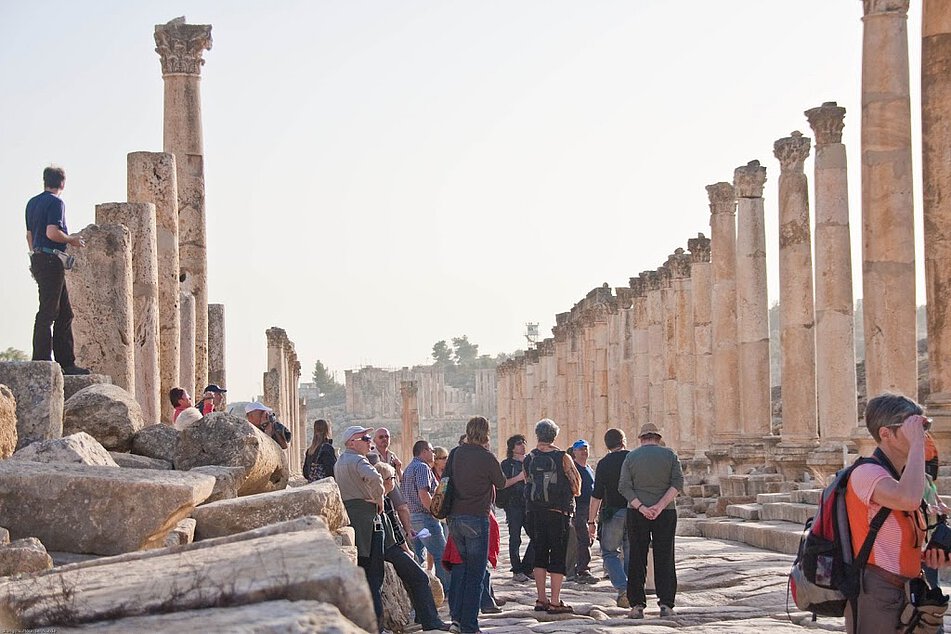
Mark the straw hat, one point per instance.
(650, 429)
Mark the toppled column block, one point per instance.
(107, 413)
(79, 448)
(226, 440)
(227, 517)
(24, 556)
(37, 387)
(8, 422)
(75, 382)
(245, 572)
(227, 481)
(182, 534)
(157, 441)
(95, 509)
(132, 461)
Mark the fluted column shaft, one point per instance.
(701, 278)
(640, 350)
(655, 347)
(796, 304)
(835, 326)
(888, 237)
(681, 305)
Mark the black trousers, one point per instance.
(54, 312)
(641, 534)
(373, 569)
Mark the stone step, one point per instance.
(944, 470)
(788, 512)
(702, 490)
(766, 498)
(944, 484)
(744, 511)
(777, 536)
(806, 496)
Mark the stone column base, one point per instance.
(863, 441)
(748, 453)
(720, 461)
(938, 408)
(791, 458)
(697, 465)
(830, 457)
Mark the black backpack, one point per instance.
(546, 485)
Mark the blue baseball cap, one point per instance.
(581, 443)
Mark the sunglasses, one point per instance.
(363, 438)
(926, 424)
(389, 478)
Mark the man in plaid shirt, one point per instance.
(419, 484)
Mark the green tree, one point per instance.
(464, 352)
(323, 378)
(442, 354)
(12, 354)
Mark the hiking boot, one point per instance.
(622, 601)
(492, 609)
(637, 612)
(74, 370)
(587, 577)
(666, 611)
(520, 577)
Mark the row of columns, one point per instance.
(282, 393)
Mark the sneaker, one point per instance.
(454, 627)
(665, 611)
(622, 601)
(438, 627)
(494, 609)
(571, 579)
(74, 370)
(637, 612)
(587, 577)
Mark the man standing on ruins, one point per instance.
(381, 447)
(608, 504)
(47, 238)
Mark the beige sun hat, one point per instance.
(650, 429)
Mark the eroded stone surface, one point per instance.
(107, 412)
(223, 439)
(8, 422)
(156, 441)
(78, 448)
(74, 382)
(227, 517)
(37, 387)
(227, 481)
(132, 461)
(24, 556)
(183, 533)
(94, 509)
(397, 608)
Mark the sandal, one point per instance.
(561, 608)
(542, 606)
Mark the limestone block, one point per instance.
(78, 448)
(227, 481)
(766, 498)
(37, 387)
(182, 534)
(345, 536)
(106, 412)
(744, 511)
(24, 556)
(297, 481)
(157, 441)
(270, 616)
(75, 382)
(227, 517)
(94, 509)
(298, 566)
(788, 512)
(350, 552)
(223, 439)
(216, 344)
(397, 608)
(100, 290)
(132, 461)
(4, 536)
(719, 508)
(8, 422)
(804, 496)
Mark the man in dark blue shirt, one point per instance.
(47, 237)
(579, 451)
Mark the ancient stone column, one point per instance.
(598, 424)
(656, 365)
(936, 139)
(752, 313)
(139, 218)
(152, 179)
(835, 327)
(216, 345)
(186, 372)
(560, 395)
(502, 412)
(888, 236)
(181, 46)
(641, 354)
(796, 307)
(100, 291)
(726, 389)
(681, 286)
(701, 279)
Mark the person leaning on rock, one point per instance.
(262, 417)
(47, 238)
(185, 413)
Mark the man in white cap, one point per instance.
(259, 415)
(651, 477)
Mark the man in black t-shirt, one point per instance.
(516, 515)
(608, 505)
(47, 237)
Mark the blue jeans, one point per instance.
(613, 542)
(454, 593)
(517, 519)
(471, 535)
(435, 543)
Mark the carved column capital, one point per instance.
(699, 248)
(748, 180)
(874, 7)
(827, 122)
(546, 347)
(722, 198)
(181, 46)
(408, 389)
(792, 151)
(638, 286)
(678, 264)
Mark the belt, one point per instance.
(890, 578)
(55, 252)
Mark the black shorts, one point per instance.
(550, 539)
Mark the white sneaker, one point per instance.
(666, 611)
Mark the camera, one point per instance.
(277, 426)
(941, 537)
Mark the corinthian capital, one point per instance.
(699, 248)
(792, 151)
(722, 198)
(678, 264)
(748, 180)
(408, 389)
(181, 45)
(827, 122)
(873, 7)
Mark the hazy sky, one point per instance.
(382, 175)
